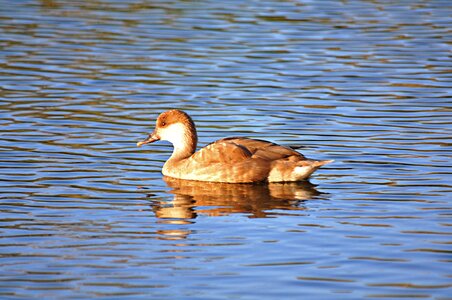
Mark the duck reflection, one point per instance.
(217, 199)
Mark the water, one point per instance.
(87, 215)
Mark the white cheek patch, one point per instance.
(174, 133)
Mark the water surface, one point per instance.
(87, 215)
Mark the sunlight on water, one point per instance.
(86, 214)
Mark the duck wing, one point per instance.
(222, 151)
(264, 149)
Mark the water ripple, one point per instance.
(364, 83)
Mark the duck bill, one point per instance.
(150, 139)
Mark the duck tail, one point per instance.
(319, 163)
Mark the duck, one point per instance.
(228, 160)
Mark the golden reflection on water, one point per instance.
(219, 199)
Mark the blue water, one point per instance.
(87, 215)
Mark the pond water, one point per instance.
(87, 215)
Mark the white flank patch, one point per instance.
(302, 171)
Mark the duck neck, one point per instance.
(185, 146)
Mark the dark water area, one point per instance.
(85, 214)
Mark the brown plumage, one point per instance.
(233, 160)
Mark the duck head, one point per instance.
(176, 127)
